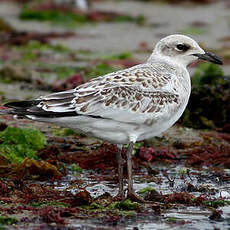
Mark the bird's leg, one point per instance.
(120, 173)
(129, 167)
(131, 193)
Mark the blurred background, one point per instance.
(52, 45)
(55, 45)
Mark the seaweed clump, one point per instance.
(64, 15)
(16, 144)
(209, 105)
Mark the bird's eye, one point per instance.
(182, 47)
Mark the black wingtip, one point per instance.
(21, 104)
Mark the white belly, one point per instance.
(119, 132)
(115, 131)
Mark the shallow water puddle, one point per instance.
(179, 216)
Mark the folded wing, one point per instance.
(118, 96)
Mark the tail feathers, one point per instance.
(29, 108)
(18, 108)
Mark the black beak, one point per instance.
(209, 57)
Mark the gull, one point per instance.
(82, 5)
(125, 106)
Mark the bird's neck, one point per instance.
(168, 60)
(180, 69)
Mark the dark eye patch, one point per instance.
(182, 47)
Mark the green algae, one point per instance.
(19, 143)
(110, 56)
(145, 190)
(127, 205)
(101, 69)
(7, 220)
(96, 206)
(210, 98)
(183, 171)
(60, 72)
(216, 203)
(193, 31)
(174, 220)
(54, 16)
(30, 50)
(118, 208)
(208, 73)
(63, 132)
(49, 203)
(36, 45)
(71, 19)
(64, 72)
(137, 147)
(140, 19)
(119, 56)
(76, 168)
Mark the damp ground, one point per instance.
(71, 180)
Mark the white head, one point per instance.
(182, 50)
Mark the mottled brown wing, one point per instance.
(140, 90)
(122, 103)
(145, 76)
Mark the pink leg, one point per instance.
(120, 163)
(131, 193)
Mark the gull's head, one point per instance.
(182, 49)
